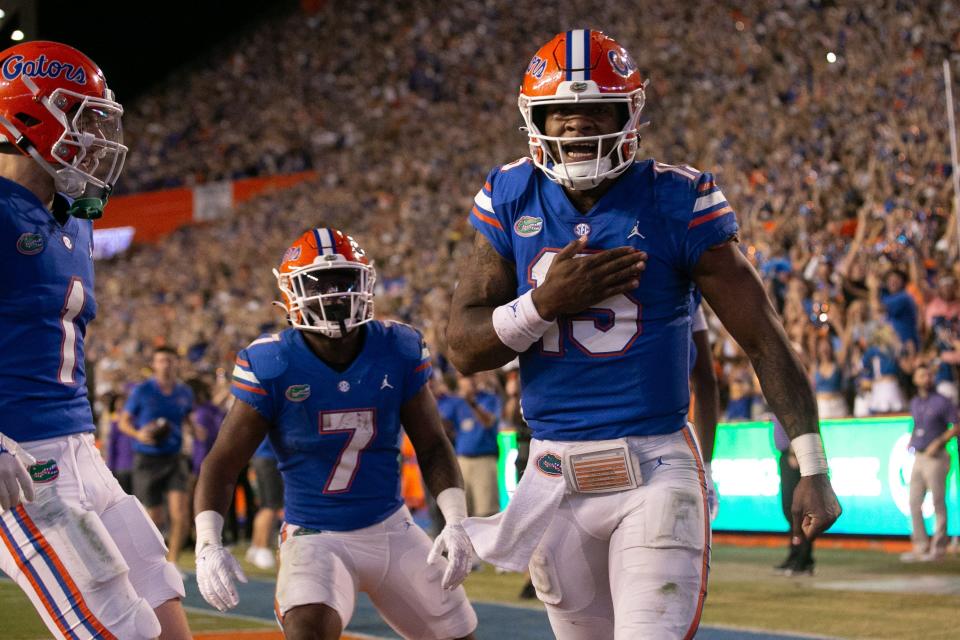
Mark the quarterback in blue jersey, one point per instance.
(584, 264)
(83, 551)
(331, 394)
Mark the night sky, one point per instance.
(138, 43)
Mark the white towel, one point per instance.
(509, 538)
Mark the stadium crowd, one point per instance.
(838, 167)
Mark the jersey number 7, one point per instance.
(620, 314)
(361, 425)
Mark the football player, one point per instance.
(85, 553)
(613, 515)
(331, 394)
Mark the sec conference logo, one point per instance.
(582, 229)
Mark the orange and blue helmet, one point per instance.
(56, 108)
(326, 281)
(582, 66)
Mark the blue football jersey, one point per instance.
(46, 301)
(336, 434)
(622, 368)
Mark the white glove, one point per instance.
(14, 477)
(453, 539)
(713, 499)
(216, 567)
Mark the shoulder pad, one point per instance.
(407, 340)
(676, 189)
(510, 182)
(268, 356)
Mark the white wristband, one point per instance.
(810, 455)
(452, 502)
(209, 528)
(518, 324)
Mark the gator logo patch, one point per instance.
(297, 392)
(44, 471)
(30, 244)
(528, 226)
(549, 464)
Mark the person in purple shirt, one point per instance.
(119, 450)
(207, 417)
(934, 424)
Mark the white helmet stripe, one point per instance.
(325, 244)
(577, 51)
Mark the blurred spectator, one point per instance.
(743, 390)
(270, 496)
(156, 415)
(828, 381)
(207, 418)
(881, 369)
(933, 415)
(900, 307)
(475, 412)
(118, 445)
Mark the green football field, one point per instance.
(854, 594)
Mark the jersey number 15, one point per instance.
(605, 330)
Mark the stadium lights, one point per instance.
(17, 35)
(831, 57)
(2, 14)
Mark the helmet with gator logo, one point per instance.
(327, 283)
(582, 66)
(55, 107)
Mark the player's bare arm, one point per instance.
(486, 282)
(572, 285)
(242, 432)
(706, 410)
(421, 420)
(438, 463)
(735, 293)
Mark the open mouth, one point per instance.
(580, 151)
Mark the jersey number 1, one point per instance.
(72, 307)
(585, 330)
(361, 425)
